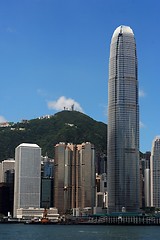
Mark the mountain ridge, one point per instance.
(65, 126)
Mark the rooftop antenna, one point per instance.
(72, 107)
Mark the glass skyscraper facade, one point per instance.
(123, 123)
(27, 184)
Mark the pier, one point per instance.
(121, 219)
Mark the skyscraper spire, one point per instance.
(123, 123)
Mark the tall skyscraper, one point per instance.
(85, 176)
(123, 123)
(74, 176)
(27, 176)
(155, 173)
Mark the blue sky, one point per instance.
(54, 53)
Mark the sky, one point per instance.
(55, 53)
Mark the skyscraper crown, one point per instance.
(122, 29)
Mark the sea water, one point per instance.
(77, 232)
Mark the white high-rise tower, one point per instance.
(123, 123)
(27, 176)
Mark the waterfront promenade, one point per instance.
(124, 220)
(107, 219)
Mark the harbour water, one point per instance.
(78, 232)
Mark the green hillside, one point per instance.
(65, 126)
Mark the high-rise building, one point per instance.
(5, 206)
(85, 176)
(27, 185)
(155, 173)
(74, 176)
(145, 180)
(46, 192)
(47, 165)
(7, 177)
(147, 189)
(61, 190)
(123, 123)
(101, 191)
(5, 166)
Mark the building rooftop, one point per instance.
(122, 29)
(28, 145)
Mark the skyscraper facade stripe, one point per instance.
(123, 123)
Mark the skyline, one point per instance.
(56, 53)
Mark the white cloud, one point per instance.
(141, 93)
(64, 103)
(141, 125)
(2, 119)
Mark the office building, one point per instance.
(5, 205)
(46, 192)
(155, 173)
(74, 176)
(27, 185)
(147, 182)
(147, 188)
(7, 184)
(101, 163)
(101, 194)
(59, 185)
(123, 123)
(85, 176)
(47, 165)
(5, 166)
